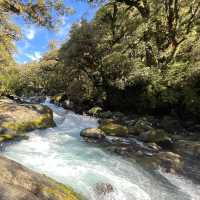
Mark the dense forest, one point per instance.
(134, 55)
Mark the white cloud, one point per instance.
(34, 56)
(30, 33)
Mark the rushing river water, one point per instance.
(61, 154)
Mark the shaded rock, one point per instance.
(154, 146)
(170, 124)
(20, 183)
(114, 129)
(15, 119)
(141, 126)
(37, 99)
(119, 116)
(94, 133)
(172, 162)
(130, 122)
(106, 114)
(103, 188)
(103, 122)
(188, 147)
(157, 136)
(3, 130)
(133, 131)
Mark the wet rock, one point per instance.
(170, 161)
(139, 153)
(106, 114)
(37, 99)
(103, 189)
(15, 119)
(130, 122)
(93, 133)
(157, 136)
(20, 183)
(114, 129)
(188, 147)
(119, 116)
(154, 146)
(141, 126)
(132, 130)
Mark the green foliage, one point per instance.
(134, 55)
(9, 81)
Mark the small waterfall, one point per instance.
(60, 153)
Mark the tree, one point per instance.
(41, 12)
(166, 26)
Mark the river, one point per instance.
(60, 153)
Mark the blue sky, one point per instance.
(35, 39)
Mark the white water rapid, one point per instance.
(61, 154)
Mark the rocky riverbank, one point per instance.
(165, 142)
(17, 118)
(20, 183)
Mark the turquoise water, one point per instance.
(61, 154)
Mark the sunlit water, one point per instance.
(61, 154)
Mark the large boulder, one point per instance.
(170, 161)
(114, 129)
(16, 119)
(157, 136)
(93, 133)
(20, 183)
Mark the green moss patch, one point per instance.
(114, 129)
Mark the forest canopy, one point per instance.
(133, 55)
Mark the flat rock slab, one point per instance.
(20, 183)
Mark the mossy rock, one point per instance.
(16, 119)
(93, 133)
(141, 126)
(60, 192)
(59, 98)
(103, 122)
(95, 110)
(18, 182)
(157, 136)
(11, 137)
(114, 129)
